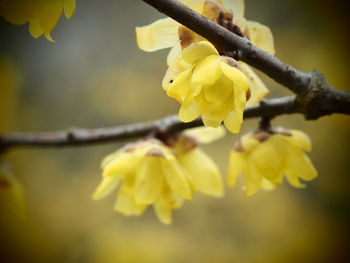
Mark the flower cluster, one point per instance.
(204, 82)
(164, 173)
(266, 157)
(42, 15)
(153, 173)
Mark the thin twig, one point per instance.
(170, 124)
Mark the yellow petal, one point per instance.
(106, 186)
(126, 205)
(110, 157)
(69, 8)
(163, 33)
(149, 181)
(208, 71)
(198, 51)
(35, 29)
(189, 111)
(267, 185)
(48, 14)
(261, 36)
(128, 185)
(180, 85)
(253, 178)
(173, 54)
(300, 165)
(176, 178)
(48, 37)
(163, 210)
(269, 157)
(257, 88)
(293, 179)
(123, 164)
(233, 121)
(237, 166)
(301, 140)
(206, 134)
(238, 78)
(205, 173)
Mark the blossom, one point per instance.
(152, 173)
(266, 157)
(166, 33)
(207, 84)
(42, 15)
(12, 205)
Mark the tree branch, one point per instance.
(313, 91)
(168, 125)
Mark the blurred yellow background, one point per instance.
(94, 75)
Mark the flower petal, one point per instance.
(179, 87)
(123, 164)
(149, 181)
(253, 178)
(189, 111)
(261, 36)
(301, 140)
(106, 186)
(198, 51)
(163, 210)
(176, 179)
(300, 165)
(163, 33)
(208, 71)
(206, 134)
(69, 8)
(237, 166)
(257, 88)
(205, 173)
(126, 205)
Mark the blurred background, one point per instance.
(94, 75)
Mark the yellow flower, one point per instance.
(42, 15)
(208, 84)
(152, 173)
(166, 33)
(266, 157)
(12, 206)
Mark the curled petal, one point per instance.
(261, 36)
(69, 8)
(107, 185)
(189, 111)
(205, 173)
(208, 71)
(300, 165)
(198, 51)
(163, 33)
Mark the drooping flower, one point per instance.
(266, 157)
(167, 33)
(207, 84)
(152, 173)
(42, 15)
(12, 207)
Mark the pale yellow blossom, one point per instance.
(267, 157)
(209, 85)
(42, 15)
(150, 172)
